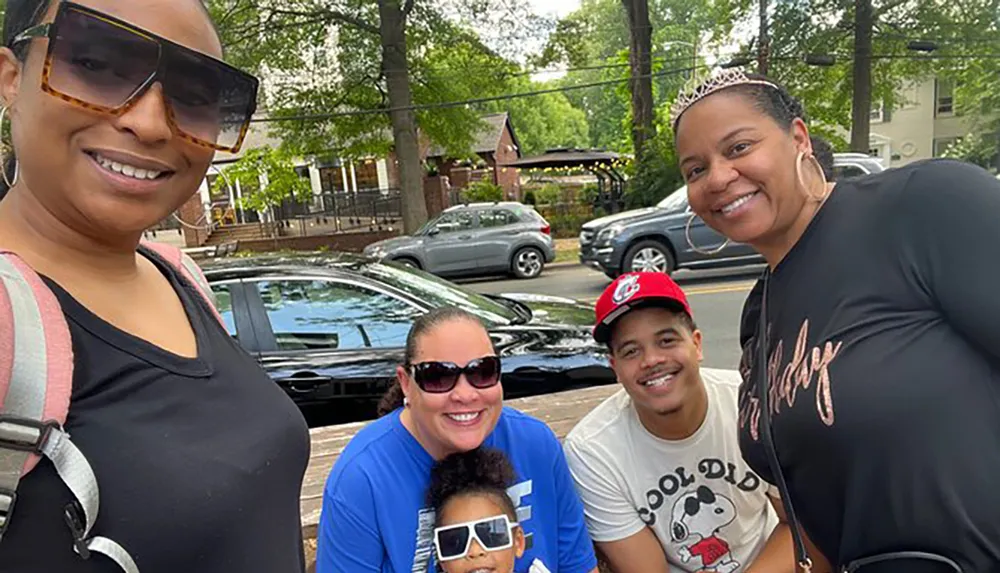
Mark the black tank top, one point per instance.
(199, 461)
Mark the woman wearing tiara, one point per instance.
(873, 398)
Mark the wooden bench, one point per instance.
(561, 411)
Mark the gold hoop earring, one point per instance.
(819, 169)
(3, 157)
(687, 235)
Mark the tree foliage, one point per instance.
(964, 33)
(267, 177)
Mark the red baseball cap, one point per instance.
(635, 290)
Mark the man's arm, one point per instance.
(638, 553)
(778, 554)
(612, 521)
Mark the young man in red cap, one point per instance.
(658, 464)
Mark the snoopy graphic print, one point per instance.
(695, 523)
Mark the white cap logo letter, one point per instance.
(626, 289)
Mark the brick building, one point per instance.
(495, 145)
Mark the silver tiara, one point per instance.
(699, 88)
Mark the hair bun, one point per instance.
(479, 469)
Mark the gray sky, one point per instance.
(557, 8)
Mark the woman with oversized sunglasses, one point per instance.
(448, 399)
(116, 109)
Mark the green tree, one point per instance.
(386, 56)
(841, 92)
(270, 178)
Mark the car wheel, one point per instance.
(528, 263)
(408, 262)
(650, 256)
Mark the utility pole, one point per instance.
(764, 41)
(861, 105)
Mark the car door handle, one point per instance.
(304, 382)
(464, 237)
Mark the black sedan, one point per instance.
(330, 329)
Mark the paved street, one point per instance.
(716, 298)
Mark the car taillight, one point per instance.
(547, 229)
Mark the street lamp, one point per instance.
(925, 46)
(823, 60)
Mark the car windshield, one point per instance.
(439, 292)
(675, 201)
(423, 230)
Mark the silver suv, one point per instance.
(475, 239)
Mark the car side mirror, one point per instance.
(433, 231)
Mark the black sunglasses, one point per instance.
(439, 377)
(103, 64)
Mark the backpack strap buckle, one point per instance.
(24, 434)
(73, 514)
(7, 500)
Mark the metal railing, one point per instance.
(368, 209)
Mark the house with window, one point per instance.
(495, 145)
(922, 125)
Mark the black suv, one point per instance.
(652, 239)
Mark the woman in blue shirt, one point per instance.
(448, 399)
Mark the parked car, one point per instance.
(330, 329)
(653, 239)
(477, 238)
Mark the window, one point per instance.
(496, 218)
(330, 315)
(842, 171)
(454, 221)
(878, 113)
(224, 304)
(675, 201)
(331, 179)
(942, 144)
(366, 174)
(944, 97)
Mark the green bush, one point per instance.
(567, 226)
(483, 191)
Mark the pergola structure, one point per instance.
(610, 183)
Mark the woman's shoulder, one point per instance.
(522, 422)
(928, 178)
(521, 434)
(369, 447)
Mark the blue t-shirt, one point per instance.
(375, 518)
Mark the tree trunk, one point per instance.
(640, 64)
(862, 100)
(392, 30)
(764, 41)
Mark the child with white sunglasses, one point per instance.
(476, 525)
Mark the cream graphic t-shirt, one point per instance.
(709, 511)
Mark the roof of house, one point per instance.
(566, 158)
(257, 137)
(487, 140)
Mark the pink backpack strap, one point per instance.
(36, 381)
(36, 353)
(189, 269)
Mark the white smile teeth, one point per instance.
(737, 203)
(658, 381)
(464, 417)
(125, 169)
